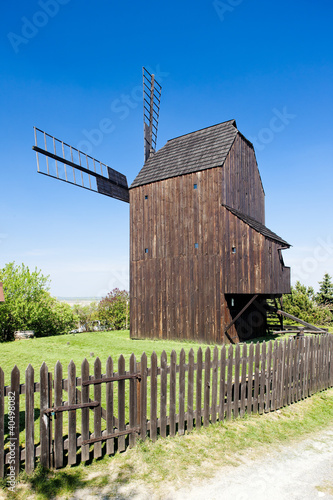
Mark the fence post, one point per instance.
(181, 419)
(164, 391)
(85, 411)
(29, 420)
(44, 418)
(153, 396)
(143, 397)
(132, 401)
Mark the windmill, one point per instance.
(203, 265)
(68, 164)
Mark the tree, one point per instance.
(325, 294)
(29, 306)
(113, 309)
(302, 304)
(84, 315)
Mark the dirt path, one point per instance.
(303, 471)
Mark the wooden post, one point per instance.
(71, 414)
(109, 407)
(207, 387)
(121, 403)
(132, 401)
(138, 395)
(214, 383)
(143, 397)
(250, 381)
(190, 386)
(153, 397)
(229, 383)
(198, 389)
(222, 384)
(44, 418)
(85, 455)
(172, 415)
(164, 389)
(58, 420)
(97, 409)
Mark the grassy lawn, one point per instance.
(79, 346)
(182, 459)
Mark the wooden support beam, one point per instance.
(290, 316)
(241, 312)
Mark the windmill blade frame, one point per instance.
(109, 182)
(151, 110)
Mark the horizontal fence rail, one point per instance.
(69, 420)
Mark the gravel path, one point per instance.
(302, 471)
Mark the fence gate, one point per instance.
(51, 416)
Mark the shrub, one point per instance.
(113, 309)
(29, 306)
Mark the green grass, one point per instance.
(77, 347)
(173, 461)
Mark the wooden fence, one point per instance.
(68, 420)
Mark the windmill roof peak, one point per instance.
(188, 153)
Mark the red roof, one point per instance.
(2, 298)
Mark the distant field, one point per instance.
(83, 301)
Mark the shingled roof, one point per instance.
(205, 148)
(257, 226)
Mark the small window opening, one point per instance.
(146, 197)
(195, 186)
(196, 245)
(146, 250)
(233, 249)
(232, 302)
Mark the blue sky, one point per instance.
(67, 65)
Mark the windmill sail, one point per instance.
(78, 168)
(151, 109)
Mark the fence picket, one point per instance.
(236, 382)
(71, 414)
(278, 376)
(121, 403)
(190, 382)
(229, 383)
(172, 416)
(181, 417)
(109, 407)
(153, 397)
(85, 411)
(97, 409)
(214, 383)
(132, 403)
(256, 379)
(268, 377)
(44, 418)
(14, 432)
(143, 397)
(243, 381)
(58, 419)
(207, 387)
(164, 390)
(250, 381)
(262, 378)
(198, 412)
(222, 384)
(2, 422)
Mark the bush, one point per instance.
(29, 306)
(113, 309)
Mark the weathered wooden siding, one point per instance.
(256, 266)
(241, 183)
(178, 290)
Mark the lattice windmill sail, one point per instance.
(78, 168)
(151, 110)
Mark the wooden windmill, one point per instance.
(202, 262)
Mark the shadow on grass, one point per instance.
(47, 484)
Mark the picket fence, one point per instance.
(102, 413)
